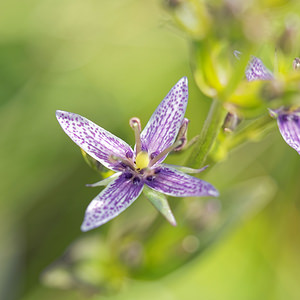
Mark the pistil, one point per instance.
(135, 124)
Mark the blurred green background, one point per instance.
(110, 61)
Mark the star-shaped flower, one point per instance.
(288, 120)
(140, 168)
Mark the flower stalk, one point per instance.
(208, 135)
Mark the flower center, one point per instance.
(142, 160)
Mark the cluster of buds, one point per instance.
(216, 28)
(240, 82)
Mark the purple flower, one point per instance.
(289, 126)
(287, 120)
(256, 70)
(140, 167)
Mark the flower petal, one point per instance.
(289, 127)
(256, 70)
(94, 140)
(163, 126)
(175, 183)
(114, 199)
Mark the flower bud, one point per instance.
(213, 68)
(191, 16)
(232, 120)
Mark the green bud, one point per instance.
(212, 66)
(191, 16)
(95, 165)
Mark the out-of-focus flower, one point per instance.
(296, 63)
(191, 16)
(288, 119)
(256, 70)
(142, 168)
(231, 122)
(289, 126)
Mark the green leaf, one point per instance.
(186, 170)
(105, 181)
(160, 202)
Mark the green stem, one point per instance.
(208, 135)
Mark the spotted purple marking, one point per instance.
(256, 70)
(175, 183)
(153, 154)
(289, 127)
(150, 178)
(94, 140)
(114, 199)
(163, 126)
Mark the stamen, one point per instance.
(124, 162)
(182, 134)
(165, 152)
(135, 124)
(183, 128)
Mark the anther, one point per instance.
(153, 154)
(136, 180)
(150, 178)
(128, 175)
(157, 170)
(129, 154)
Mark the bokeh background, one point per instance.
(110, 61)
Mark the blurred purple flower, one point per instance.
(289, 126)
(287, 120)
(138, 167)
(256, 70)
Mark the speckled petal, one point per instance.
(114, 199)
(289, 127)
(256, 70)
(175, 183)
(94, 140)
(163, 126)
